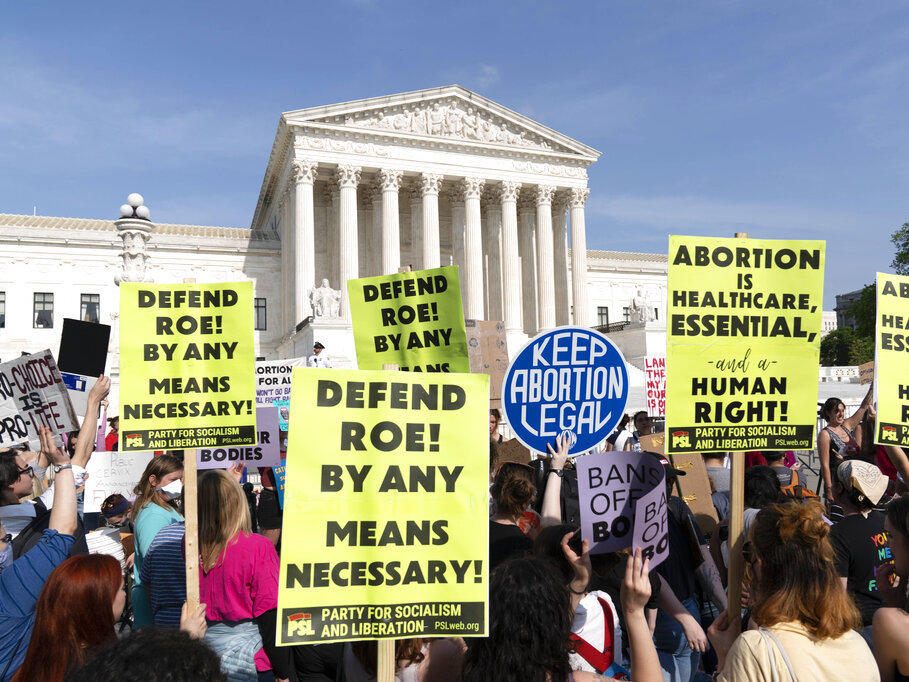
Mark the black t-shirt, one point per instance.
(684, 536)
(506, 541)
(861, 547)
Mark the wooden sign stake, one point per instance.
(191, 516)
(386, 663)
(736, 511)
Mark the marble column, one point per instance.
(560, 264)
(416, 228)
(286, 260)
(375, 236)
(391, 228)
(545, 270)
(579, 257)
(348, 253)
(511, 257)
(528, 250)
(493, 243)
(456, 199)
(330, 271)
(429, 187)
(304, 238)
(473, 249)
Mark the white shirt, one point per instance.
(590, 625)
(320, 360)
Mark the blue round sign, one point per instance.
(569, 380)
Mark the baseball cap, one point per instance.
(670, 470)
(865, 477)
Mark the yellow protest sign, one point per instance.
(385, 507)
(410, 319)
(891, 357)
(743, 343)
(186, 366)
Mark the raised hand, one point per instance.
(636, 586)
(53, 453)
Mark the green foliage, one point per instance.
(862, 310)
(843, 347)
(900, 240)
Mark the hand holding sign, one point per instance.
(623, 503)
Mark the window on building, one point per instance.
(626, 313)
(656, 313)
(91, 308)
(2, 309)
(602, 316)
(44, 311)
(261, 316)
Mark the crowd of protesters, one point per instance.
(824, 593)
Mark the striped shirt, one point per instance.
(20, 585)
(164, 575)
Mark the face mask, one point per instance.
(172, 490)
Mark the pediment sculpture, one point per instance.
(453, 119)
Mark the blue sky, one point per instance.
(782, 119)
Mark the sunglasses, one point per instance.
(27, 469)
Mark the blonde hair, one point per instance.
(223, 515)
(147, 492)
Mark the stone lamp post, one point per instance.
(134, 228)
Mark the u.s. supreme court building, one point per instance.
(420, 179)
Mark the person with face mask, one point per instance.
(156, 505)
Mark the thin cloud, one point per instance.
(489, 76)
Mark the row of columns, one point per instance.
(533, 238)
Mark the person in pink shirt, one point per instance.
(238, 583)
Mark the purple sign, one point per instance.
(623, 503)
(266, 452)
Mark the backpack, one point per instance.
(795, 491)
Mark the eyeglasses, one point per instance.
(27, 469)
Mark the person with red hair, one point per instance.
(76, 611)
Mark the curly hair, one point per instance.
(529, 624)
(798, 579)
(161, 654)
(513, 488)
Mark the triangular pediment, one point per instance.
(450, 113)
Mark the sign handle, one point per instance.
(385, 662)
(191, 516)
(385, 668)
(736, 511)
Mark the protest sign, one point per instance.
(273, 385)
(655, 378)
(280, 472)
(512, 450)
(891, 353)
(112, 472)
(186, 362)
(386, 507)
(623, 503)
(488, 354)
(83, 347)
(569, 380)
(410, 319)
(866, 373)
(32, 394)
(743, 344)
(265, 453)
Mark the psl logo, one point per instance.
(888, 433)
(300, 625)
(680, 439)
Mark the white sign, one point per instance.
(113, 472)
(32, 393)
(655, 370)
(273, 385)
